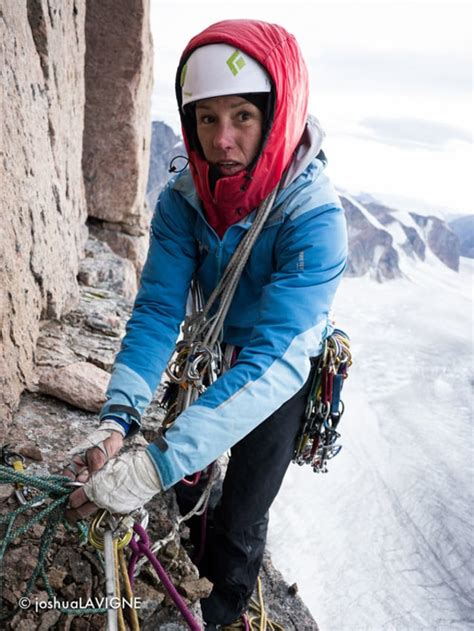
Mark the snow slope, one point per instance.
(384, 540)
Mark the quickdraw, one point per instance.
(317, 441)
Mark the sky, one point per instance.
(391, 83)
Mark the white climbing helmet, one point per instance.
(218, 70)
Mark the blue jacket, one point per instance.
(279, 314)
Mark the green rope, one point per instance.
(56, 489)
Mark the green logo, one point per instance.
(183, 74)
(235, 62)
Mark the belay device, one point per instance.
(317, 441)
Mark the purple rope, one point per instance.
(142, 547)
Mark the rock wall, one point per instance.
(118, 77)
(75, 114)
(43, 201)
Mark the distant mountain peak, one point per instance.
(383, 240)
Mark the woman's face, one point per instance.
(229, 129)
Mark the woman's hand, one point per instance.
(95, 451)
(121, 486)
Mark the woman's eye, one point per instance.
(206, 119)
(245, 116)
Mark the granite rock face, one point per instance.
(118, 79)
(75, 144)
(42, 185)
(81, 384)
(102, 268)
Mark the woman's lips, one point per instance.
(229, 167)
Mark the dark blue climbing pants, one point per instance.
(236, 529)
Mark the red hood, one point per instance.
(279, 53)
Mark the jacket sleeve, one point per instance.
(310, 253)
(158, 311)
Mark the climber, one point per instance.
(242, 92)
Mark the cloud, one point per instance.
(400, 72)
(412, 132)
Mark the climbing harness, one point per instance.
(317, 441)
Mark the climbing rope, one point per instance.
(108, 534)
(199, 510)
(257, 616)
(56, 489)
(141, 546)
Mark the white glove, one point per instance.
(97, 437)
(124, 483)
(82, 461)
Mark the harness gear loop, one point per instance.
(316, 443)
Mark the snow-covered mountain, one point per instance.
(384, 242)
(463, 227)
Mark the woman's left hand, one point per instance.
(121, 486)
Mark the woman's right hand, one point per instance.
(95, 451)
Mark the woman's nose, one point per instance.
(224, 136)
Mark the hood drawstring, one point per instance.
(173, 169)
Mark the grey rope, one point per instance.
(210, 329)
